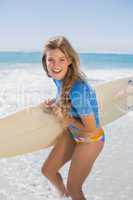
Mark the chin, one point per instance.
(58, 77)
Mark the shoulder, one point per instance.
(81, 86)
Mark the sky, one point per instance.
(90, 25)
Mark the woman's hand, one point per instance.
(65, 120)
(57, 111)
(47, 104)
(51, 106)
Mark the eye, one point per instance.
(62, 59)
(50, 59)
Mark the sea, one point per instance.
(23, 83)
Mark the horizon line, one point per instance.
(88, 52)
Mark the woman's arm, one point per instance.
(87, 128)
(71, 120)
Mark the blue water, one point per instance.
(107, 60)
(88, 60)
(20, 57)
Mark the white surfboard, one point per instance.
(115, 99)
(32, 129)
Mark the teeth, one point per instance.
(56, 70)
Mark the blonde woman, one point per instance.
(76, 106)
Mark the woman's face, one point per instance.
(57, 63)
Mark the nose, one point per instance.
(56, 64)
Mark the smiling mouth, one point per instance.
(56, 70)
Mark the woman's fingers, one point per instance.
(47, 103)
(50, 101)
(57, 111)
(53, 107)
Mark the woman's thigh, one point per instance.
(60, 154)
(83, 159)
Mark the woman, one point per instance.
(76, 106)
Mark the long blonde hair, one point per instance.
(73, 72)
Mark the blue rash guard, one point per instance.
(83, 100)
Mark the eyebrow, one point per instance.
(53, 57)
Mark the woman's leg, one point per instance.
(60, 154)
(83, 159)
